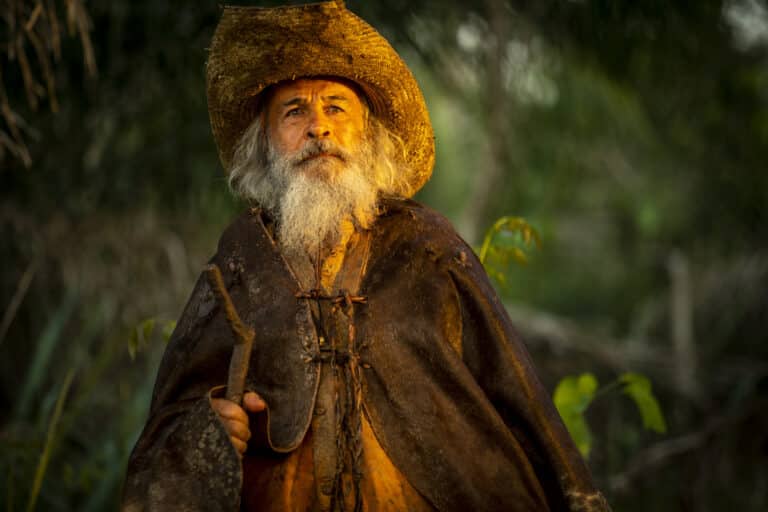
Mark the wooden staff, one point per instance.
(244, 336)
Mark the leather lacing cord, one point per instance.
(343, 297)
(348, 421)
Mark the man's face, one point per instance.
(317, 122)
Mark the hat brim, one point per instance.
(254, 48)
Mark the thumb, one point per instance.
(252, 402)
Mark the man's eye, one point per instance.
(293, 112)
(334, 109)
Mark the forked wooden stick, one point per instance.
(244, 336)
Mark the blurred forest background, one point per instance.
(632, 135)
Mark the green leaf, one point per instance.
(133, 344)
(638, 387)
(498, 276)
(572, 397)
(45, 456)
(519, 256)
(168, 330)
(147, 328)
(140, 336)
(495, 252)
(514, 232)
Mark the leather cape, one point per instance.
(448, 386)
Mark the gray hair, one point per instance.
(309, 209)
(251, 162)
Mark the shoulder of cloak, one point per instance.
(412, 231)
(405, 221)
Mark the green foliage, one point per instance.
(572, 397)
(49, 441)
(168, 328)
(574, 394)
(44, 352)
(507, 240)
(67, 448)
(504, 242)
(638, 388)
(141, 334)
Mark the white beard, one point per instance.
(311, 198)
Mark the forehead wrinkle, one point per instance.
(335, 97)
(295, 101)
(300, 100)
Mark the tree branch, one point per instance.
(563, 336)
(661, 453)
(244, 336)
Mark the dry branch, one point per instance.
(663, 453)
(33, 17)
(244, 336)
(18, 297)
(36, 24)
(564, 337)
(80, 23)
(11, 138)
(55, 39)
(45, 65)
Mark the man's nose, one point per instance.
(319, 127)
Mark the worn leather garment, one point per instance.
(340, 465)
(444, 380)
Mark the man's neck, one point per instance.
(332, 260)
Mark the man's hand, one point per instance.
(235, 419)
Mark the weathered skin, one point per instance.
(447, 385)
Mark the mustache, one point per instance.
(314, 148)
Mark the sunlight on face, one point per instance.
(317, 122)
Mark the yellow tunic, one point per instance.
(301, 480)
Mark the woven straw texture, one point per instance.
(255, 47)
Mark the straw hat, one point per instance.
(255, 47)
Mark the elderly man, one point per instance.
(385, 373)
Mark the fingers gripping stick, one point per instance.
(244, 336)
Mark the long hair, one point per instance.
(251, 162)
(309, 207)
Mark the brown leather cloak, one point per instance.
(448, 386)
